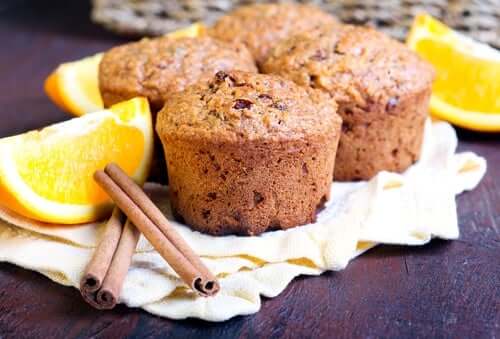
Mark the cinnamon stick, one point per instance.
(156, 228)
(112, 285)
(98, 266)
(103, 277)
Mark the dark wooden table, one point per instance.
(444, 289)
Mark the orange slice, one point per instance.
(191, 31)
(74, 86)
(47, 175)
(467, 88)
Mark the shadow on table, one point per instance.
(466, 135)
(435, 247)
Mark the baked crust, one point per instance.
(248, 152)
(382, 89)
(156, 68)
(261, 26)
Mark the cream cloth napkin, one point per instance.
(406, 209)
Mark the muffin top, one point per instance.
(155, 68)
(355, 65)
(241, 106)
(261, 26)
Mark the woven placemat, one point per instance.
(479, 19)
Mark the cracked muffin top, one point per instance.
(236, 106)
(356, 65)
(261, 26)
(156, 68)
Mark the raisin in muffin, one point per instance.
(261, 26)
(156, 68)
(381, 87)
(248, 152)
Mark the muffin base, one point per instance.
(248, 188)
(381, 137)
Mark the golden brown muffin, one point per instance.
(261, 26)
(156, 68)
(248, 152)
(382, 89)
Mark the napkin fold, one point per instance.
(406, 209)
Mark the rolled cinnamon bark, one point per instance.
(112, 285)
(155, 227)
(156, 216)
(102, 281)
(98, 266)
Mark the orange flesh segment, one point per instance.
(41, 166)
(470, 88)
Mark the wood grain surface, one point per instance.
(446, 289)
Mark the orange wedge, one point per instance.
(467, 88)
(47, 175)
(191, 31)
(74, 86)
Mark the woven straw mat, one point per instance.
(479, 19)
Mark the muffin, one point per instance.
(261, 26)
(381, 87)
(248, 153)
(156, 68)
